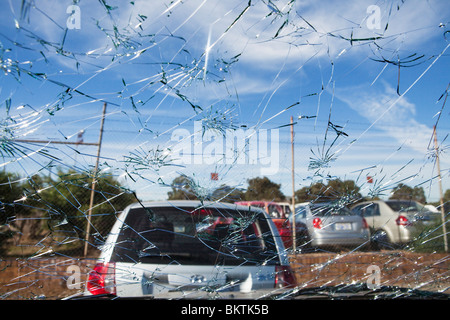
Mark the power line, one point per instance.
(55, 142)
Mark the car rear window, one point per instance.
(195, 237)
(323, 211)
(405, 206)
(275, 212)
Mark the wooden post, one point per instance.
(294, 236)
(94, 181)
(444, 228)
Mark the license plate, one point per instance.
(342, 226)
(195, 280)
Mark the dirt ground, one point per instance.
(53, 278)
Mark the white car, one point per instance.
(394, 222)
(183, 249)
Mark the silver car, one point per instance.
(394, 222)
(331, 224)
(184, 249)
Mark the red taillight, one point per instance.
(102, 279)
(284, 277)
(317, 223)
(402, 221)
(365, 225)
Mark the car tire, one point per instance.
(380, 241)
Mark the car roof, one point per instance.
(400, 200)
(386, 201)
(302, 204)
(311, 203)
(249, 202)
(192, 203)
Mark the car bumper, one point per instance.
(348, 240)
(404, 234)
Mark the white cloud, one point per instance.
(253, 32)
(387, 111)
(270, 61)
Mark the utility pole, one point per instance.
(294, 236)
(94, 181)
(444, 228)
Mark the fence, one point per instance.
(56, 219)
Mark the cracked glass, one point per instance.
(261, 149)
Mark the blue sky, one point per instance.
(248, 62)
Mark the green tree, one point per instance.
(263, 189)
(62, 202)
(65, 200)
(347, 189)
(181, 189)
(335, 189)
(310, 193)
(10, 192)
(447, 195)
(404, 192)
(228, 194)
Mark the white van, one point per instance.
(191, 249)
(394, 222)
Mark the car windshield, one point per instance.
(195, 237)
(105, 104)
(287, 209)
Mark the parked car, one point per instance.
(190, 249)
(332, 225)
(394, 222)
(302, 239)
(286, 206)
(276, 212)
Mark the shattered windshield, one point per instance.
(107, 104)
